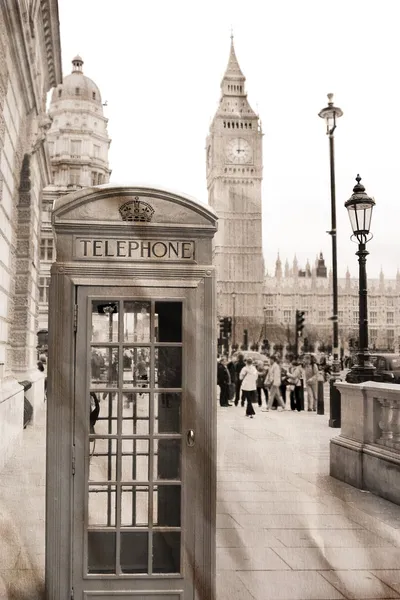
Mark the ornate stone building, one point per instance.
(310, 290)
(78, 146)
(234, 177)
(30, 64)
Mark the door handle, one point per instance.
(190, 437)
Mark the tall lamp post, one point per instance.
(265, 322)
(233, 318)
(360, 206)
(331, 113)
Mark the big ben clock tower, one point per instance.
(234, 176)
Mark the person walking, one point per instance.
(223, 380)
(274, 380)
(261, 376)
(248, 376)
(240, 364)
(295, 375)
(311, 379)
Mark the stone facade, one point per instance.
(30, 64)
(310, 290)
(78, 146)
(234, 177)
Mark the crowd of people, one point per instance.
(282, 384)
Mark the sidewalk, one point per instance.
(286, 530)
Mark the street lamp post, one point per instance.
(330, 113)
(233, 318)
(265, 322)
(360, 206)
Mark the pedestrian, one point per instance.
(248, 376)
(311, 379)
(240, 364)
(284, 379)
(274, 380)
(261, 376)
(223, 380)
(295, 375)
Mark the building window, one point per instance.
(390, 338)
(373, 317)
(269, 316)
(340, 315)
(74, 176)
(59, 93)
(96, 151)
(373, 301)
(76, 147)
(94, 95)
(390, 302)
(373, 334)
(355, 317)
(322, 316)
(77, 91)
(287, 316)
(46, 249)
(44, 283)
(390, 318)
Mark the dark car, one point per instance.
(387, 368)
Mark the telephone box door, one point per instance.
(134, 444)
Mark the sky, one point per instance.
(159, 65)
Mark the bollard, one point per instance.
(320, 400)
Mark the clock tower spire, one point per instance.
(234, 177)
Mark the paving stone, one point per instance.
(335, 538)
(391, 578)
(246, 559)
(340, 558)
(288, 585)
(255, 538)
(359, 584)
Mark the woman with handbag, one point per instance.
(248, 376)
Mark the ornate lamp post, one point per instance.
(331, 113)
(360, 206)
(233, 318)
(265, 322)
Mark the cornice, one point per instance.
(124, 228)
(51, 29)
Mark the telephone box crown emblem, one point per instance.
(136, 210)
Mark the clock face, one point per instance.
(239, 151)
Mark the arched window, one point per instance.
(229, 125)
(241, 125)
(250, 125)
(94, 95)
(59, 93)
(245, 125)
(224, 124)
(77, 91)
(237, 125)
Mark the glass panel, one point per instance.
(101, 552)
(135, 506)
(135, 414)
(134, 551)
(137, 321)
(107, 410)
(103, 460)
(167, 459)
(167, 412)
(168, 367)
(168, 321)
(135, 460)
(167, 506)
(104, 321)
(137, 374)
(166, 552)
(104, 364)
(102, 505)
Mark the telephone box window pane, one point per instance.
(167, 412)
(103, 460)
(137, 373)
(166, 552)
(168, 321)
(168, 367)
(167, 506)
(104, 365)
(135, 414)
(134, 506)
(104, 321)
(101, 552)
(101, 505)
(134, 551)
(104, 420)
(135, 460)
(137, 321)
(167, 459)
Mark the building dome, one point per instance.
(77, 86)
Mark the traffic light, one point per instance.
(300, 317)
(227, 326)
(221, 328)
